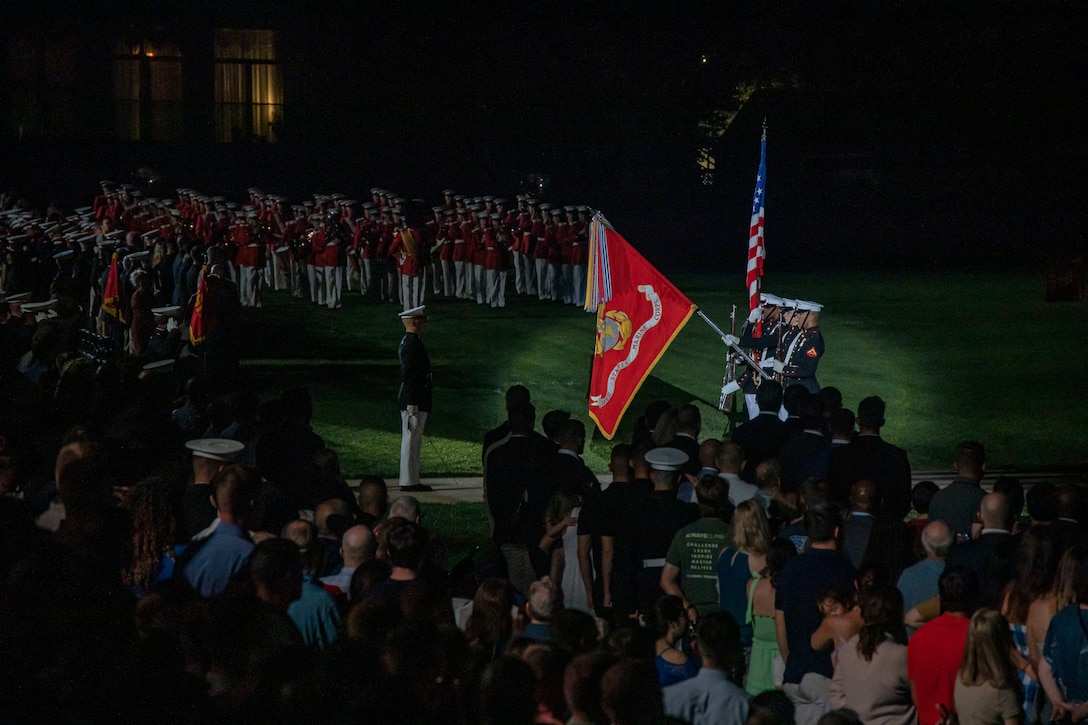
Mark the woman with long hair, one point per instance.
(871, 673)
(154, 507)
(671, 622)
(766, 666)
(491, 622)
(987, 687)
(1034, 569)
(739, 562)
(1063, 668)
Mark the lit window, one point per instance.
(147, 88)
(248, 86)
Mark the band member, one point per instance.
(451, 229)
(332, 261)
(539, 236)
(247, 254)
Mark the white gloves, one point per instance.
(732, 340)
(171, 325)
(754, 315)
(413, 411)
(779, 366)
(731, 387)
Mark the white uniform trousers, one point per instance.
(334, 286)
(411, 442)
(542, 288)
(578, 284)
(249, 287)
(478, 283)
(519, 281)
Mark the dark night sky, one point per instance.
(904, 130)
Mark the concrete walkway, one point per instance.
(469, 489)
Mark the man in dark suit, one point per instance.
(568, 471)
(762, 436)
(991, 554)
(808, 441)
(870, 456)
(514, 394)
(688, 425)
(414, 396)
(516, 491)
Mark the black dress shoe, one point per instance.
(418, 488)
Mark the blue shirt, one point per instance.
(316, 616)
(1066, 651)
(227, 550)
(709, 698)
(919, 582)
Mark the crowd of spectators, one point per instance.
(173, 549)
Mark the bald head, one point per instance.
(995, 511)
(937, 539)
(862, 495)
(358, 546)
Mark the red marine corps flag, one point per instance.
(639, 313)
(198, 323)
(111, 295)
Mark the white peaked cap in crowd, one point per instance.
(215, 449)
(666, 459)
(808, 306)
(160, 366)
(420, 311)
(768, 299)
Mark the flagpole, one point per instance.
(732, 345)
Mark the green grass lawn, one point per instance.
(955, 357)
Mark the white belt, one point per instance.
(653, 563)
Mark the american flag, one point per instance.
(756, 249)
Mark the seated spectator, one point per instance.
(987, 688)
(766, 665)
(714, 695)
(1063, 669)
(990, 555)
(935, 652)
(357, 547)
(957, 503)
(544, 599)
(871, 675)
(582, 687)
(859, 521)
(671, 624)
(739, 562)
(491, 623)
(919, 582)
(920, 496)
(1033, 572)
(772, 707)
(630, 694)
(208, 564)
(819, 568)
(314, 611)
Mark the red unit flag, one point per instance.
(639, 313)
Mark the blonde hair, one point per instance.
(1065, 580)
(986, 656)
(751, 532)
